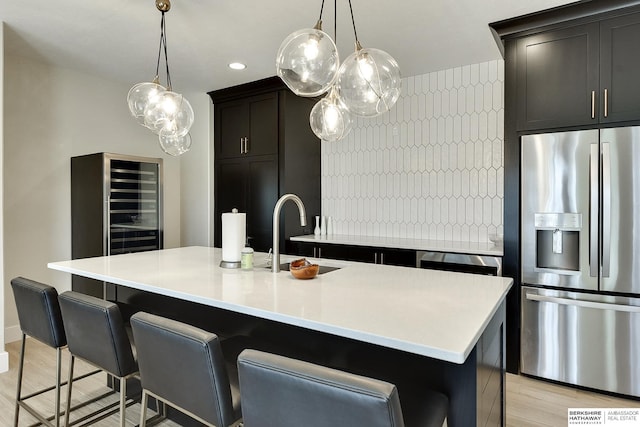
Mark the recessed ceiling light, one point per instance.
(237, 66)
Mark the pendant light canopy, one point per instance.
(157, 107)
(367, 84)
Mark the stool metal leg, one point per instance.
(58, 382)
(143, 409)
(19, 391)
(21, 400)
(123, 400)
(69, 385)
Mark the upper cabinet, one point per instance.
(249, 126)
(620, 68)
(580, 75)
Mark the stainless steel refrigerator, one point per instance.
(581, 258)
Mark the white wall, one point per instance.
(4, 357)
(430, 168)
(196, 177)
(53, 114)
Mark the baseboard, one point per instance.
(4, 362)
(12, 333)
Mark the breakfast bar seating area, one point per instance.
(380, 322)
(197, 373)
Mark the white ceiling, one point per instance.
(118, 39)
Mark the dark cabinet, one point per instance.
(401, 257)
(347, 253)
(251, 186)
(116, 208)
(620, 68)
(264, 148)
(372, 255)
(249, 126)
(579, 75)
(557, 77)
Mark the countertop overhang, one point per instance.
(436, 314)
(476, 248)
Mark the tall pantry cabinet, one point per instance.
(264, 148)
(116, 208)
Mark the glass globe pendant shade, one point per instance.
(307, 62)
(173, 144)
(169, 112)
(329, 119)
(139, 97)
(369, 82)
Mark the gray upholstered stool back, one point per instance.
(96, 333)
(184, 366)
(40, 318)
(283, 392)
(39, 311)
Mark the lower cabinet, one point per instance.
(251, 186)
(373, 255)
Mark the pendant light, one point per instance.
(307, 60)
(369, 80)
(366, 84)
(157, 107)
(329, 118)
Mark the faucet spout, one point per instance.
(275, 263)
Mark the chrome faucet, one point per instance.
(275, 262)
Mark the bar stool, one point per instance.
(39, 316)
(290, 393)
(96, 334)
(184, 367)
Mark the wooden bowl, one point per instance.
(299, 263)
(304, 270)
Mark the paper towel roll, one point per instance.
(233, 235)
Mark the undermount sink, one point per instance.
(323, 268)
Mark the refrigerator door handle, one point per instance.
(606, 209)
(583, 303)
(593, 210)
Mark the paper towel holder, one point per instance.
(237, 264)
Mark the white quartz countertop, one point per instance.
(485, 248)
(433, 313)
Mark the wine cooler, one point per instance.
(116, 208)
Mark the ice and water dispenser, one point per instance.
(558, 240)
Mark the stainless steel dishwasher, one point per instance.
(461, 263)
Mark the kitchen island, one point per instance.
(445, 330)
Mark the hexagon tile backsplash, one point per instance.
(431, 168)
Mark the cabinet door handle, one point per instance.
(241, 145)
(606, 102)
(319, 252)
(381, 258)
(246, 145)
(375, 257)
(593, 104)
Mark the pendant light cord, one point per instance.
(353, 22)
(166, 57)
(163, 48)
(335, 22)
(321, 9)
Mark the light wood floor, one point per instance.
(530, 403)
